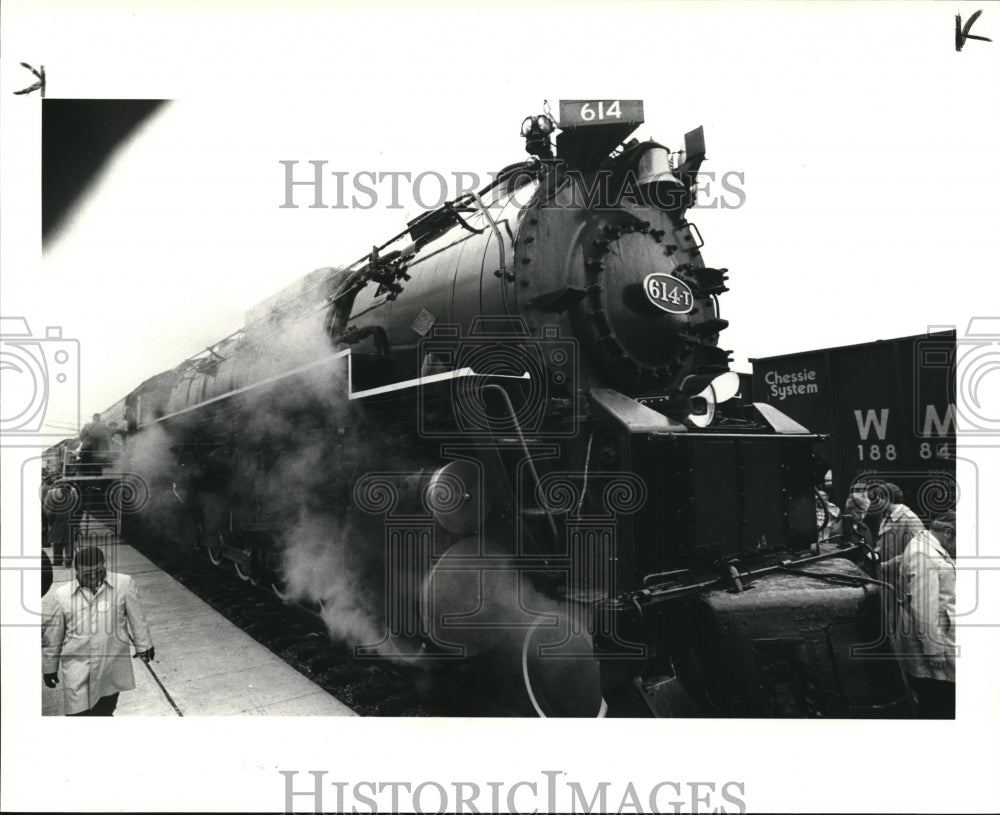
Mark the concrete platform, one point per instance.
(208, 666)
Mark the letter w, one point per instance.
(865, 425)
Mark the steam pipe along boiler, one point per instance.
(508, 436)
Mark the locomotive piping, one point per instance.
(499, 237)
(449, 207)
(654, 594)
(840, 577)
(531, 463)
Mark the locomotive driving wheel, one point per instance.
(561, 676)
(198, 536)
(272, 572)
(252, 569)
(279, 589)
(213, 548)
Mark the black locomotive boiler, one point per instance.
(508, 436)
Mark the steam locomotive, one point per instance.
(508, 436)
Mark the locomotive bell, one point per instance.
(657, 182)
(455, 499)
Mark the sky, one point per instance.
(867, 145)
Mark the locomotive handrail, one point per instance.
(356, 280)
(188, 363)
(505, 174)
(499, 236)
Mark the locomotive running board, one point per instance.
(459, 373)
(263, 384)
(632, 416)
(779, 421)
(421, 381)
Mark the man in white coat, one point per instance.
(899, 525)
(87, 626)
(925, 636)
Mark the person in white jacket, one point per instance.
(88, 624)
(899, 525)
(925, 634)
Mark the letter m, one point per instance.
(866, 423)
(934, 425)
(586, 806)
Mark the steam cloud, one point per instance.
(275, 448)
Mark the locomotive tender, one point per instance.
(509, 434)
